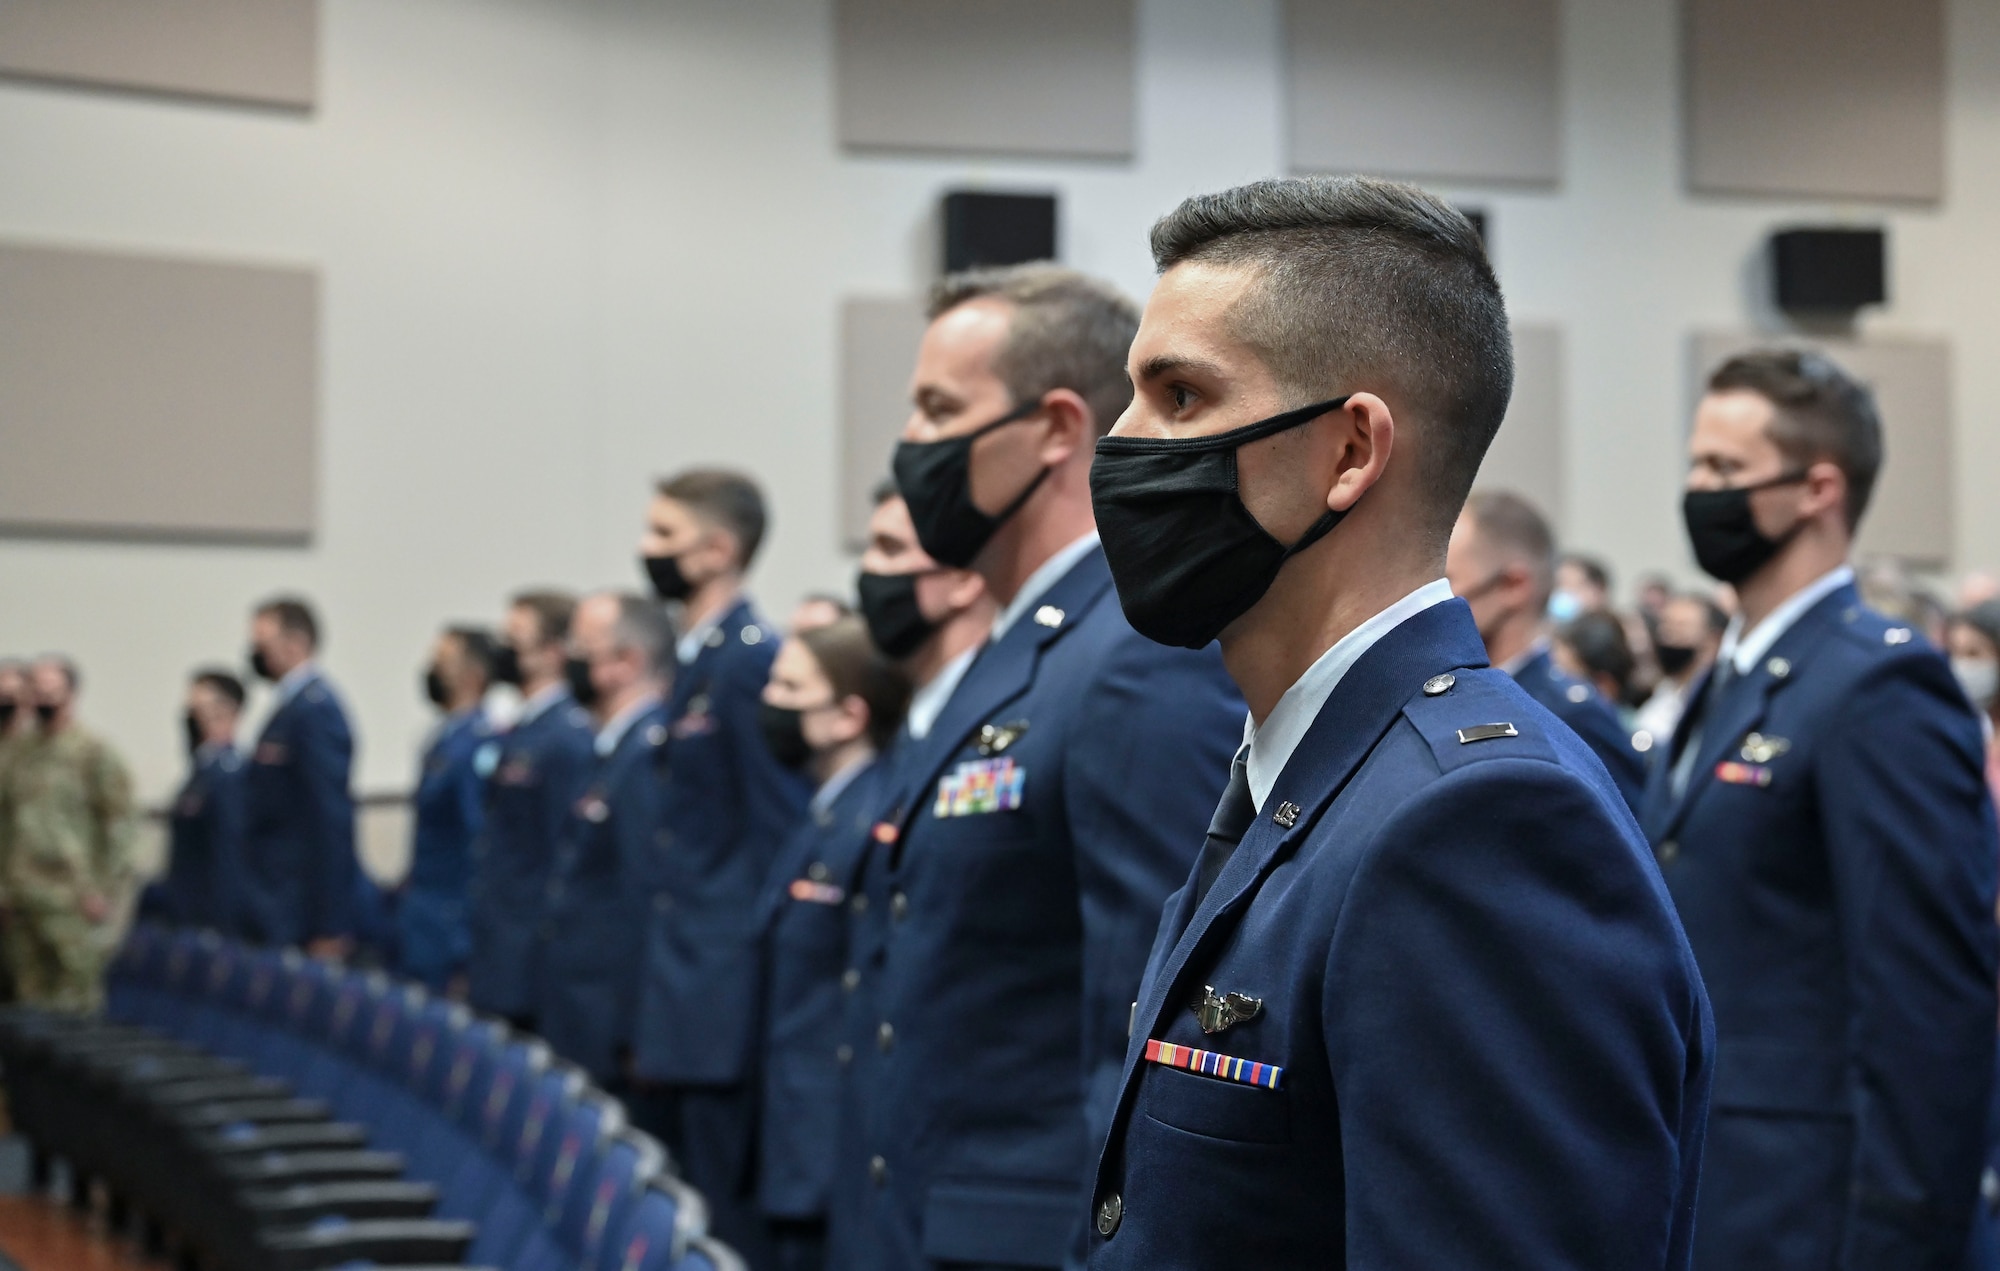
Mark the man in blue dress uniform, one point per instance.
(205, 843)
(587, 998)
(726, 806)
(434, 933)
(1018, 875)
(1501, 562)
(1823, 825)
(537, 774)
(300, 875)
(1424, 1001)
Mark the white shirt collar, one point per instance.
(1039, 582)
(614, 732)
(832, 787)
(295, 680)
(688, 647)
(928, 702)
(1272, 745)
(1744, 652)
(538, 705)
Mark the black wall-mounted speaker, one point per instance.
(997, 229)
(1837, 269)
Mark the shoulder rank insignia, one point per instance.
(1486, 732)
(1210, 1064)
(1219, 1011)
(994, 738)
(1757, 748)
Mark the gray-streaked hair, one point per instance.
(1366, 286)
(643, 625)
(1068, 330)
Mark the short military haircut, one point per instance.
(856, 668)
(1592, 568)
(728, 499)
(292, 614)
(1984, 618)
(643, 625)
(552, 610)
(1067, 330)
(222, 684)
(1512, 527)
(478, 646)
(1820, 412)
(1365, 286)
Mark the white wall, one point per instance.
(567, 245)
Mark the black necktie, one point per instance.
(1226, 829)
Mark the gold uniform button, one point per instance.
(1110, 1214)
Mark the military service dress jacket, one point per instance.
(1062, 796)
(726, 806)
(1833, 857)
(1434, 1011)
(538, 773)
(595, 919)
(1590, 717)
(300, 872)
(434, 935)
(205, 845)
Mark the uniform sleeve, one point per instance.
(226, 825)
(117, 817)
(1597, 723)
(331, 869)
(1144, 770)
(1911, 841)
(772, 798)
(1511, 1021)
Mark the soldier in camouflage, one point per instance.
(66, 830)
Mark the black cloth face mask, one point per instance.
(7, 708)
(434, 687)
(785, 734)
(507, 665)
(1186, 555)
(664, 572)
(1723, 529)
(935, 479)
(46, 712)
(581, 687)
(1674, 658)
(895, 621)
(193, 729)
(260, 666)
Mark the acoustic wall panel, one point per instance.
(152, 397)
(1911, 514)
(1466, 90)
(878, 346)
(1822, 98)
(261, 51)
(1527, 457)
(1039, 77)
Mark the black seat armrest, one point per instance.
(393, 1242)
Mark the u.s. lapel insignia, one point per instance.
(1287, 815)
(1049, 616)
(1759, 749)
(1219, 1011)
(994, 738)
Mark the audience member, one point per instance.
(1690, 631)
(538, 774)
(67, 820)
(587, 1005)
(833, 705)
(1582, 585)
(1593, 647)
(1973, 643)
(1655, 590)
(448, 810)
(818, 610)
(204, 876)
(301, 877)
(14, 711)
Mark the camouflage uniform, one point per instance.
(66, 830)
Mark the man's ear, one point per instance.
(965, 590)
(1826, 486)
(1072, 426)
(1365, 437)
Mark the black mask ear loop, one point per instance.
(1013, 416)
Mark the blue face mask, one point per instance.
(1564, 606)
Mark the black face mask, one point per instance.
(935, 479)
(1723, 529)
(7, 708)
(895, 621)
(260, 666)
(46, 712)
(1674, 658)
(507, 665)
(1186, 555)
(785, 735)
(192, 727)
(664, 572)
(434, 687)
(577, 672)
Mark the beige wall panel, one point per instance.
(1044, 77)
(1465, 90)
(1527, 456)
(878, 346)
(156, 397)
(1826, 98)
(1911, 514)
(246, 50)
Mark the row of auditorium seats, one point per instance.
(263, 1111)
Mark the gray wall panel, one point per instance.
(878, 347)
(1911, 515)
(1527, 457)
(1049, 77)
(156, 397)
(1826, 98)
(247, 50)
(1464, 90)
